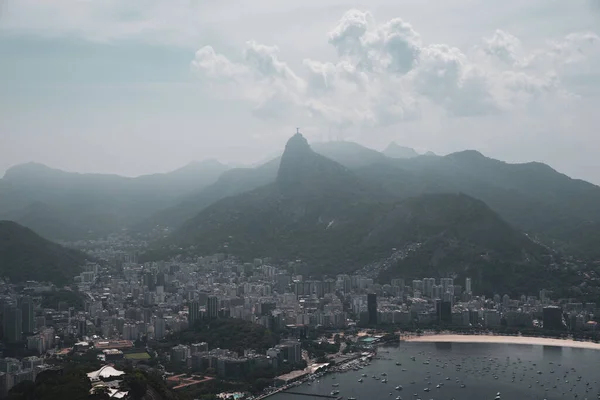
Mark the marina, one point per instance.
(460, 370)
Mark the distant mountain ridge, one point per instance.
(394, 150)
(532, 197)
(67, 205)
(24, 256)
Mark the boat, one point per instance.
(399, 398)
(399, 387)
(335, 385)
(426, 390)
(335, 392)
(351, 398)
(384, 380)
(397, 363)
(360, 380)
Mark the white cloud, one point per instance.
(385, 74)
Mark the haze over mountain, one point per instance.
(24, 256)
(394, 150)
(532, 197)
(239, 180)
(325, 214)
(66, 205)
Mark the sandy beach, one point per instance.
(505, 339)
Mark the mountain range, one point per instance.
(24, 256)
(532, 197)
(336, 206)
(335, 221)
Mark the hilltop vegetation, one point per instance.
(229, 333)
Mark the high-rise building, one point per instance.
(436, 292)
(13, 324)
(468, 285)
(212, 307)
(446, 282)
(372, 308)
(193, 312)
(553, 319)
(159, 328)
(417, 285)
(444, 311)
(130, 332)
(428, 284)
(27, 314)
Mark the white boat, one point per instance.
(335, 392)
(399, 387)
(360, 380)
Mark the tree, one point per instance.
(137, 385)
(22, 391)
(49, 385)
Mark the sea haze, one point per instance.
(516, 371)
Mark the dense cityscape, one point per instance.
(120, 312)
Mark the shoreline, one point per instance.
(527, 340)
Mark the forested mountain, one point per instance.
(24, 256)
(335, 221)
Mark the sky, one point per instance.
(143, 86)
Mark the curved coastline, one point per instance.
(529, 340)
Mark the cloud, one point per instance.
(503, 46)
(385, 74)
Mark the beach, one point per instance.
(504, 339)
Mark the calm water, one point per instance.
(516, 371)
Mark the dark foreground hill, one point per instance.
(324, 214)
(24, 256)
